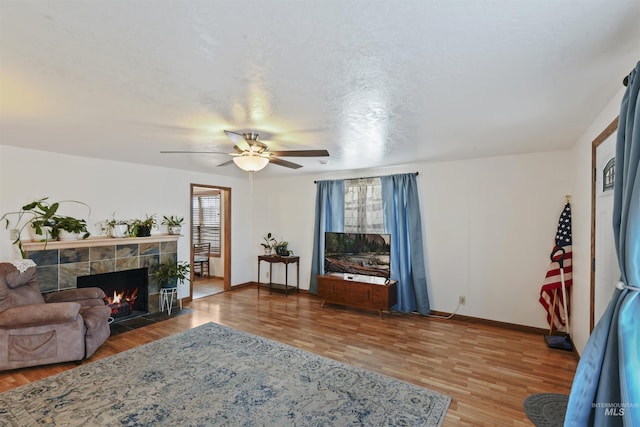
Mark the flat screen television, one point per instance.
(367, 254)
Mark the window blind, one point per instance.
(206, 221)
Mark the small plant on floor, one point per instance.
(169, 274)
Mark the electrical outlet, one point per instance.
(462, 300)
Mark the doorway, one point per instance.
(605, 271)
(210, 227)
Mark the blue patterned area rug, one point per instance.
(215, 375)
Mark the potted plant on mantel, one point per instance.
(118, 228)
(68, 228)
(143, 227)
(169, 274)
(39, 217)
(173, 223)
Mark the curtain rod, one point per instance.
(364, 177)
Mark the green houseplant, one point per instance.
(40, 217)
(269, 242)
(118, 227)
(281, 248)
(143, 227)
(173, 223)
(169, 274)
(68, 228)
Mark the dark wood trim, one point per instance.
(244, 285)
(613, 126)
(225, 194)
(226, 198)
(509, 326)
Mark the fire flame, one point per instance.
(123, 296)
(117, 297)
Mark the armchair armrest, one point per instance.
(39, 314)
(80, 295)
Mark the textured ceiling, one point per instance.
(374, 82)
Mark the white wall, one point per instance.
(129, 190)
(489, 226)
(581, 216)
(489, 238)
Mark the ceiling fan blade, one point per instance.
(284, 163)
(191, 152)
(237, 139)
(238, 149)
(301, 153)
(225, 163)
(165, 127)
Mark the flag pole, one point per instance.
(553, 311)
(564, 290)
(564, 295)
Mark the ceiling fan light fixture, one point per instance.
(251, 163)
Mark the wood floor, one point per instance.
(203, 287)
(488, 371)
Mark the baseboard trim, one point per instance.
(506, 325)
(242, 285)
(511, 326)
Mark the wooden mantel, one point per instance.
(31, 246)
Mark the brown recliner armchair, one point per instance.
(58, 327)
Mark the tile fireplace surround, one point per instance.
(59, 263)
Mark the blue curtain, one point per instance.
(403, 221)
(329, 217)
(606, 387)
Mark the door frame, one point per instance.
(225, 193)
(613, 126)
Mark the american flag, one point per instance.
(552, 286)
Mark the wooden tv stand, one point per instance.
(352, 290)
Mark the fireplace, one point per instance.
(127, 291)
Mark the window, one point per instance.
(363, 206)
(609, 175)
(206, 221)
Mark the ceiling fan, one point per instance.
(253, 155)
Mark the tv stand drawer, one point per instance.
(335, 290)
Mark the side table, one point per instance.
(286, 260)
